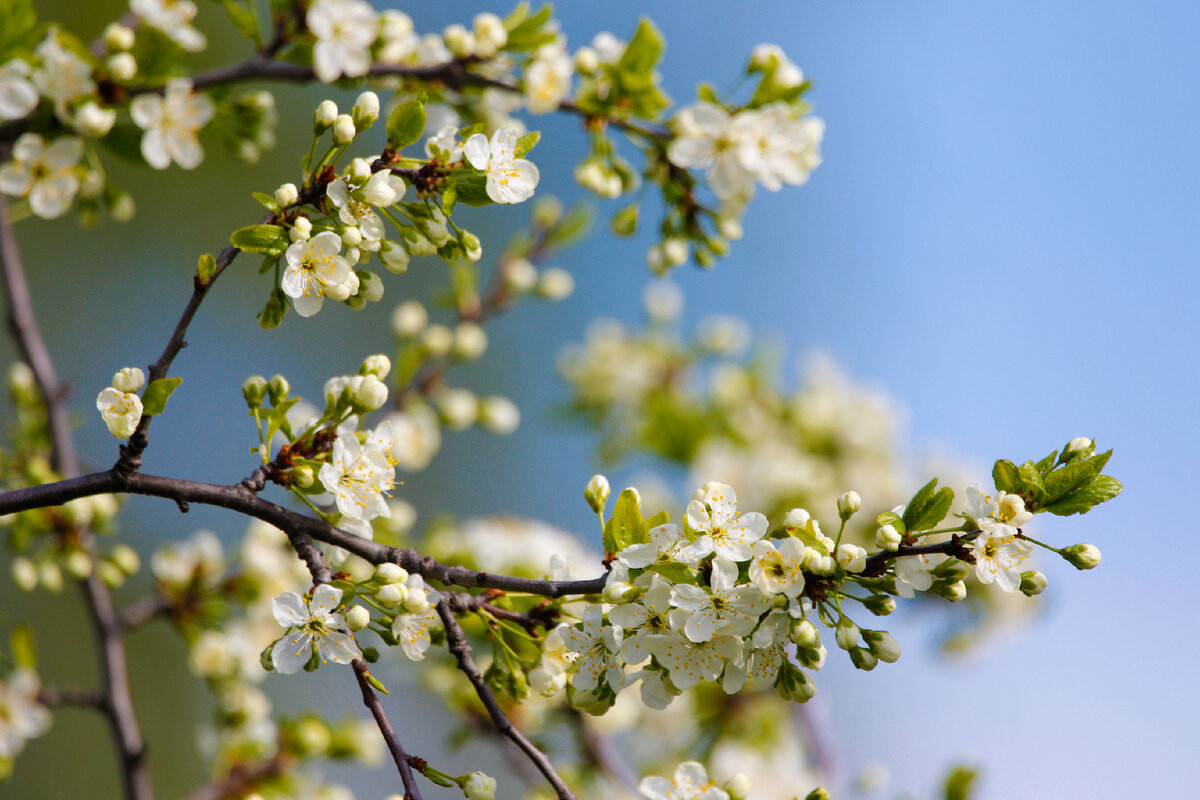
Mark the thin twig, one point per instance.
(117, 704)
(402, 759)
(142, 611)
(456, 642)
(70, 696)
(240, 780)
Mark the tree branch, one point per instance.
(371, 700)
(70, 696)
(142, 611)
(456, 642)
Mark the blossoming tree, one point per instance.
(721, 603)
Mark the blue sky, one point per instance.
(1003, 235)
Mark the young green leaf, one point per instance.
(405, 124)
(269, 240)
(154, 399)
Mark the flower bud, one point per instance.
(343, 129)
(125, 558)
(370, 286)
(92, 120)
(50, 576)
(499, 415)
(459, 41)
(738, 787)
(863, 659)
(254, 389)
(122, 66)
(79, 564)
(479, 786)
(129, 380)
(545, 682)
(301, 230)
(303, 476)
(880, 604)
(730, 228)
(951, 590)
(278, 389)
(437, 340)
(519, 274)
(1082, 556)
(555, 284)
(1033, 583)
(851, 557)
(490, 34)
(596, 493)
(371, 393)
(1079, 444)
(470, 341)
(324, 117)
(25, 574)
(365, 111)
(812, 657)
(618, 592)
(458, 408)
(409, 319)
(472, 247)
(312, 736)
(847, 635)
(587, 60)
(805, 634)
(357, 618)
(416, 600)
(395, 257)
(951, 570)
(117, 37)
(287, 194)
(110, 574)
(883, 645)
(378, 365)
(849, 504)
(819, 793)
(390, 573)
(359, 170)
(888, 538)
(392, 595)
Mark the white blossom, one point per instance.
(778, 571)
(548, 78)
(412, 630)
(509, 179)
(314, 623)
(912, 572)
(315, 267)
(999, 555)
(344, 30)
(690, 782)
(121, 411)
(597, 647)
(358, 477)
(728, 608)
(44, 174)
(722, 530)
(21, 715)
(18, 96)
(173, 18)
(705, 139)
(171, 123)
(690, 662)
(63, 76)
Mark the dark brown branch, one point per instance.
(70, 696)
(456, 642)
(877, 562)
(238, 498)
(117, 700)
(25, 332)
(463, 603)
(402, 759)
(241, 780)
(142, 611)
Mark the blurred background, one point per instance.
(1003, 236)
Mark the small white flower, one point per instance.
(667, 544)
(598, 652)
(314, 268)
(509, 179)
(690, 782)
(778, 571)
(344, 30)
(912, 572)
(480, 785)
(999, 555)
(173, 18)
(690, 662)
(17, 95)
(722, 530)
(358, 477)
(315, 623)
(121, 411)
(641, 621)
(21, 715)
(548, 79)
(356, 205)
(63, 76)
(46, 175)
(92, 120)
(171, 123)
(728, 608)
(706, 139)
(412, 630)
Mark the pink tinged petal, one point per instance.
(339, 647)
(291, 653)
(289, 610)
(477, 151)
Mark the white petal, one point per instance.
(291, 653)
(477, 151)
(289, 610)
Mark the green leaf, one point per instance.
(472, 190)
(1031, 482)
(916, 506)
(17, 21)
(1101, 490)
(1005, 476)
(928, 507)
(960, 783)
(449, 200)
(644, 50)
(527, 142)
(626, 525)
(154, 399)
(205, 268)
(405, 124)
(1047, 463)
(269, 240)
(349, 589)
(526, 32)
(661, 518)
(266, 200)
(243, 18)
(674, 572)
(371, 679)
(273, 312)
(708, 94)
(1074, 476)
(893, 519)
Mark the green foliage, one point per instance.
(527, 142)
(626, 525)
(1060, 484)
(17, 23)
(405, 124)
(528, 32)
(961, 783)
(205, 268)
(928, 507)
(244, 19)
(269, 240)
(154, 399)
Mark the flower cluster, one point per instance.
(119, 404)
(22, 717)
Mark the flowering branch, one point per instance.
(402, 759)
(456, 643)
